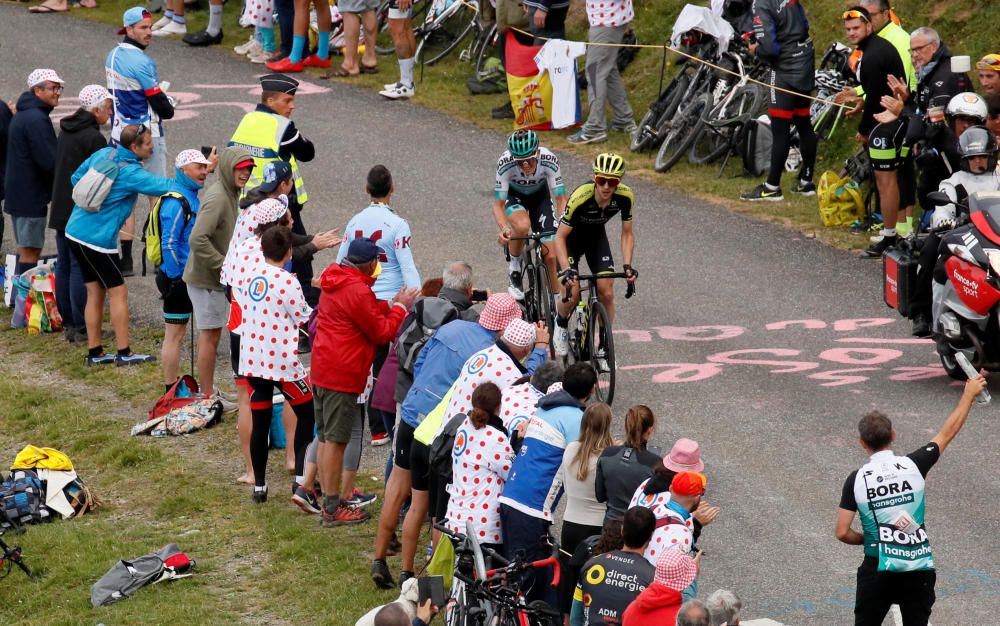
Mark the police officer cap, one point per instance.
(279, 83)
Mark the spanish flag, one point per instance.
(530, 94)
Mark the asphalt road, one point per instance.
(774, 405)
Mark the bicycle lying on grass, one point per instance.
(493, 597)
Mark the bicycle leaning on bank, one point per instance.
(493, 597)
(590, 333)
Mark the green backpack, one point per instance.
(152, 235)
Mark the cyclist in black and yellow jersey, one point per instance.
(582, 233)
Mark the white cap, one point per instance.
(187, 157)
(40, 76)
(93, 95)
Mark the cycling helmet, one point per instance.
(977, 141)
(609, 164)
(967, 104)
(522, 144)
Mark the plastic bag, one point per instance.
(840, 200)
(442, 563)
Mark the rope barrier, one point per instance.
(718, 68)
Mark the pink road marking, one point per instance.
(699, 333)
(305, 88)
(679, 372)
(838, 378)
(911, 373)
(844, 356)
(635, 336)
(864, 322)
(876, 340)
(807, 324)
(781, 367)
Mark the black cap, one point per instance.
(279, 83)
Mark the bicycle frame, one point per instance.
(539, 305)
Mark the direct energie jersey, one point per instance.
(888, 494)
(582, 210)
(546, 174)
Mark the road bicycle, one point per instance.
(537, 297)
(11, 555)
(481, 50)
(591, 337)
(445, 26)
(493, 597)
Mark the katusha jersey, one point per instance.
(547, 174)
(888, 494)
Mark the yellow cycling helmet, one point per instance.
(609, 164)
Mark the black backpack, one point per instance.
(428, 315)
(440, 449)
(755, 147)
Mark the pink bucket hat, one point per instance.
(685, 456)
(500, 309)
(675, 570)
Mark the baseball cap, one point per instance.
(269, 210)
(133, 16)
(684, 456)
(675, 570)
(500, 309)
(519, 333)
(187, 157)
(93, 95)
(363, 250)
(39, 76)
(989, 62)
(245, 163)
(688, 484)
(274, 173)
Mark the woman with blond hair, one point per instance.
(584, 515)
(621, 469)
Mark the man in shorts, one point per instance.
(357, 13)
(31, 163)
(177, 209)
(405, 42)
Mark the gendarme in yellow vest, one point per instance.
(260, 134)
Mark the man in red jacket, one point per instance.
(350, 324)
(660, 602)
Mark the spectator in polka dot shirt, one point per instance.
(609, 20)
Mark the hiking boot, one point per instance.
(259, 497)
(102, 359)
(405, 576)
(503, 112)
(380, 439)
(921, 325)
(381, 575)
(514, 288)
(581, 137)
(876, 250)
(804, 187)
(359, 499)
(343, 515)
(121, 360)
(395, 547)
(306, 500)
(762, 193)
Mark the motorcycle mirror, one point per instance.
(939, 198)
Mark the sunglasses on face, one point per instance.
(529, 161)
(603, 181)
(855, 15)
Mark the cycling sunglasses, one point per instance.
(604, 181)
(527, 161)
(854, 14)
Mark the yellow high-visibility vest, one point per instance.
(260, 134)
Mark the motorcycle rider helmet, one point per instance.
(609, 164)
(523, 144)
(977, 141)
(968, 105)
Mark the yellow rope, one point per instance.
(703, 62)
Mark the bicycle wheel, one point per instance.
(543, 297)
(680, 133)
(648, 134)
(715, 136)
(441, 37)
(486, 49)
(531, 311)
(602, 352)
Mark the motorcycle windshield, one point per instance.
(984, 209)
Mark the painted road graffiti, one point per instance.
(852, 359)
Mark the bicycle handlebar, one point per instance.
(629, 290)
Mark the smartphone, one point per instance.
(207, 151)
(431, 587)
(479, 295)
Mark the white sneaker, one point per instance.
(173, 28)
(245, 48)
(560, 340)
(160, 23)
(259, 56)
(514, 286)
(399, 91)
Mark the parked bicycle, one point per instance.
(492, 597)
(445, 27)
(590, 333)
(537, 295)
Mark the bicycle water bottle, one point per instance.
(581, 316)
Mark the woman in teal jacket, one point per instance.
(93, 238)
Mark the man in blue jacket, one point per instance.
(31, 161)
(177, 211)
(528, 496)
(94, 240)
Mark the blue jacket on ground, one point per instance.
(440, 362)
(530, 485)
(175, 232)
(31, 158)
(100, 230)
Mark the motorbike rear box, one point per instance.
(900, 277)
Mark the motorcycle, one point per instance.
(966, 308)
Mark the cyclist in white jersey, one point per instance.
(529, 197)
(887, 493)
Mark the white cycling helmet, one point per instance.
(969, 105)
